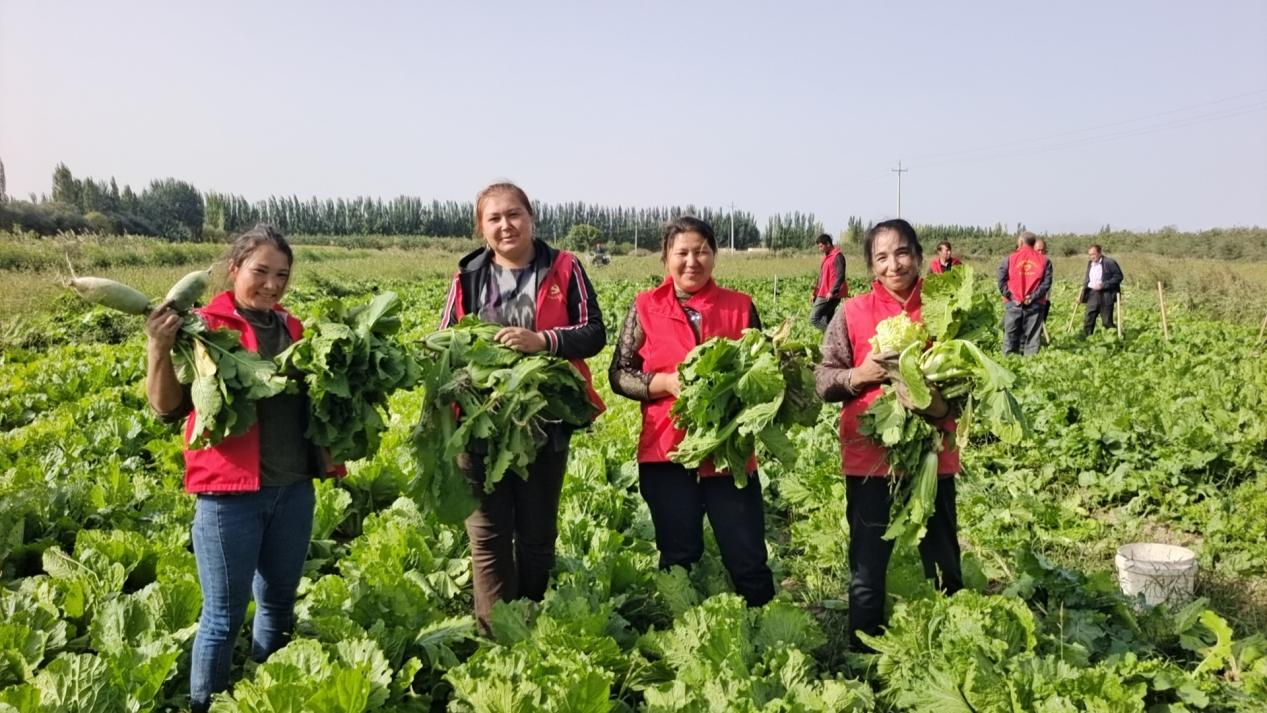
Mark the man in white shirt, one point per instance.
(1100, 288)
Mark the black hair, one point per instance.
(904, 230)
(686, 224)
(259, 234)
(824, 239)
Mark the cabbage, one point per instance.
(897, 333)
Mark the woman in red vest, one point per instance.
(662, 326)
(945, 260)
(546, 303)
(850, 373)
(254, 508)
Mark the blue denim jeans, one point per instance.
(246, 543)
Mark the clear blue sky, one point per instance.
(1065, 116)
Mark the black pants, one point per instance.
(823, 310)
(1099, 303)
(513, 532)
(867, 504)
(678, 499)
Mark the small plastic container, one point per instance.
(1162, 573)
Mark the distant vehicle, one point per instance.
(600, 256)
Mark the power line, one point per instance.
(944, 156)
(1003, 153)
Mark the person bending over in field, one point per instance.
(254, 508)
(545, 302)
(853, 375)
(831, 287)
(662, 326)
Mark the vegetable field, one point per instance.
(1132, 439)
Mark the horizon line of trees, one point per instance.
(175, 210)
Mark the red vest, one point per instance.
(552, 309)
(827, 277)
(232, 465)
(859, 455)
(669, 338)
(1024, 271)
(937, 268)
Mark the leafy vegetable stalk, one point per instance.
(352, 362)
(739, 395)
(971, 383)
(225, 379)
(486, 399)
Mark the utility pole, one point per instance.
(899, 171)
(732, 227)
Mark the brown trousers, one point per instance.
(513, 531)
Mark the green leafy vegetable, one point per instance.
(488, 399)
(970, 382)
(351, 361)
(225, 380)
(897, 333)
(741, 394)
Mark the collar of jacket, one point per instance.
(223, 307)
(666, 295)
(913, 302)
(479, 259)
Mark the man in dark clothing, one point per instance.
(1040, 246)
(1024, 282)
(1100, 288)
(831, 286)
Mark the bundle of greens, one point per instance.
(487, 399)
(225, 379)
(741, 395)
(971, 383)
(351, 360)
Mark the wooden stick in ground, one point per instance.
(1161, 301)
(1073, 314)
(1120, 316)
(1262, 330)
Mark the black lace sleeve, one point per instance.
(625, 373)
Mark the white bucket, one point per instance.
(1162, 573)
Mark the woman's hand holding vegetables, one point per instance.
(665, 384)
(162, 326)
(871, 372)
(937, 408)
(161, 387)
(520, 339)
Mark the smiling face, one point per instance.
(507, 227)
(260, 280)
(894, 263)
(943, 253)
(689, 262)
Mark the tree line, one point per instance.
(176, 210)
